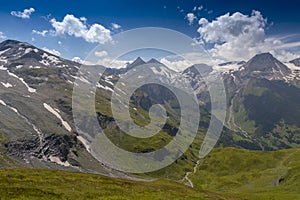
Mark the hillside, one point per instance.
(31, 184)
(241, 174)
(250, 174)
(37, 127)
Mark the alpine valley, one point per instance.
(42, 156)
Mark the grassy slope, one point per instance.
(49, 184)
(227, 173)
(269, 112)
(251, 174)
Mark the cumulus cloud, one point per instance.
(177, 65)
(191, 18)
(42, 33)
(52, 51)
(239, 37)
(284, 55)
(96, 33)
(2, 36)
(113, 63)
(234, 36)
(24, 15)
(77, 59)
(115, 26)
(101, 53)
(183, 61)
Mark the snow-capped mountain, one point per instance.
(36, 104)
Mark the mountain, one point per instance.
(152, 60)
(198, 69)
(37, 126)
(263, 104)
(232, 63)
(265, 66)
(136, 62)
(296, 62)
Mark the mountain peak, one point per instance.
(198, 69)
(265, 65)
(265, 54)
(138, 61)
(11, 44)
(265, 62)
(152, 60)
(296, 62)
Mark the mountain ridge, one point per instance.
(50, 80)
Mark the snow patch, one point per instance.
(82, 79)
(7, 85)
(57, 160)
(109, 82)
(51, 59)
(44, 62)
(54, 112)
(2, 68)
(36, 67)
(70, 82)
(2, 102)
(292, 66)
(2, 52)
(104, 87)
(85, 142)
(31, 90)
(2, 59)
(19, 66)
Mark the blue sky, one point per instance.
(281, 25)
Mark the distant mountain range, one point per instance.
(37, 127)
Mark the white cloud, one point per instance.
(108, 62)
(235, 36)
(73, 26)
(177, 65)
(52, 51)
(115, 26)
(198, 8)
(84, 19)
(183, 61)
(77, 59)
(284, 56)
(101, 53)
(24, 15)
(2, 36)
(112, 63)
(42, 33)
(190, 17)
(239, 37)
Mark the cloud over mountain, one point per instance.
(239, 36)
(235, 34)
